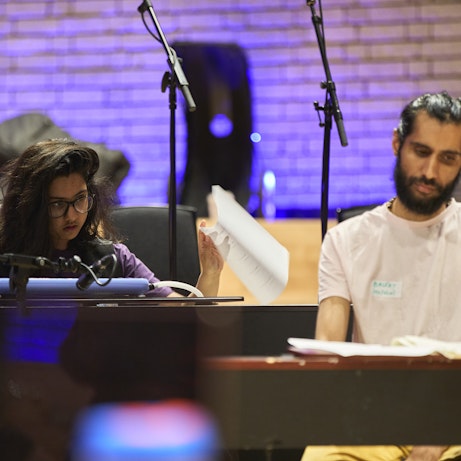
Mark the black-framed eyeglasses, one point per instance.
(81, 204)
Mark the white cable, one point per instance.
(182, 285)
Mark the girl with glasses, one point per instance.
(54, 206)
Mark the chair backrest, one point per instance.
(345, 213)
(146, 231)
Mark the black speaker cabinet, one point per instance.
(219, 148)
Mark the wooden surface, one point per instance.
(326, 361)
(302, 238)
(265, 402)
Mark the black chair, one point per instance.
(145, 230)
(345, 213)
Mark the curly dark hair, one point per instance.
(25, 182)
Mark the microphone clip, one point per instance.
(92, 273)
(73, 265)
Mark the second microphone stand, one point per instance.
(331, 110)
(171, 80)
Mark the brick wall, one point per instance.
(93, 68)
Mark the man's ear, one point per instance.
(395, 142)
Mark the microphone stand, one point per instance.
(331, 110)
(171, 80)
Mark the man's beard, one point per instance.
(417, 205)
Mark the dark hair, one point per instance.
(440, 106)
(25, 182)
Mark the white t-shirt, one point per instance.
(402, 277)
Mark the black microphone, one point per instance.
(144, 6)
(94, 271)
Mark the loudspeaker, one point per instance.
(219, 148)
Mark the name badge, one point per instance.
(384, 289)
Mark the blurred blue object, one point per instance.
(269, 183)
(169, 430)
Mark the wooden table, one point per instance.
(289, 402)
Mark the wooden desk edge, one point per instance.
(329, 362)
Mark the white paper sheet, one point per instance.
(348, 349)
(450, 349)
(257, 258)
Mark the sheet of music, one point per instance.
(253, 254)
(405, 346)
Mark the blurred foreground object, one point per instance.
(168, 430)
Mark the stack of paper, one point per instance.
(408, 347)
(450, 349)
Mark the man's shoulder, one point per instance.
(456, 205)
(373, 216)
